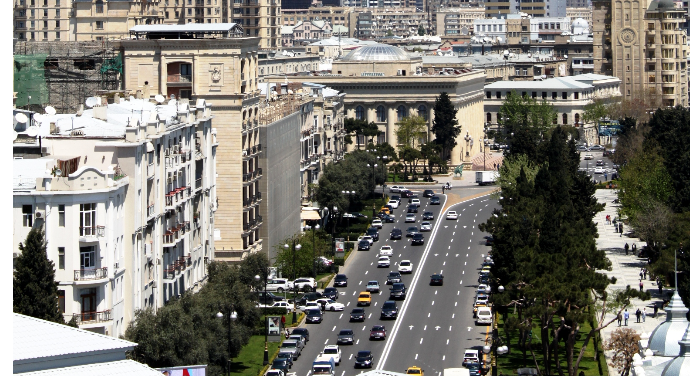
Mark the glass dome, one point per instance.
(377, 53)
(665, 337)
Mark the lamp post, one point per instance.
(233, 316)
(496, 341)
(258, 279)
(295, 247)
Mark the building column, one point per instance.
(163, 86)
(390, 128)
(432, 116)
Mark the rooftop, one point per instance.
(125, 367)
(377, 53)
(186, 31)
(560, 83)
(26, 171)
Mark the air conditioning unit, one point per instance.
(40, 214)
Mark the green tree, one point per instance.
(389, 33)
(318, 244)
(411, 131)
(34, 289)
(643, 180)
(525, 123)
(421, 31)
(510, 171)
(445, 126)
(410, 158)
(431, 152)
(594, 111)
(361, 127)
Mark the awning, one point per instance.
(149, 147)
(310, 215)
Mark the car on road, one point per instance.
(452, 215)
(305, 284)
(600, 162)
(436, 279)
(292, 346)
(393, 277)
(435, 200)
(428, 216)
(398, 291)
(394, 203)
(313, 315)
(386, 250)
(411, 231)
(425, 227)
(412, 197)
(384, 262)
(418, 239)
(377, 332)
(364, 359)
(274, 373)
(396, 234)
(357, 315)
(346, 336)
(396, 189)
(389, 310)
(599, 170)
(298, 337)
(484, 288)
(286, 356)
(377, 223)
(330, 305)
(278, 285)
(484, 315)
(367, 238)
(340, 280)
(414, 370)
(489, 240)
(588, 156)
(364, 299)
(471, 356)
(373, 286)
(481, 300)
(307, 297)
(301, 331)
(373, 232)
(410, 217)
(413, 208)
(405, 193)
(330, 292)
(389, 218)
(415, 201)
(280, 364)
(363, 245)
(428, 193)
(597, 148)
(333, 351)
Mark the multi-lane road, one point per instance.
(435, 324)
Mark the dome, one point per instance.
(377, 53)
(665, 337)
(680, 365)
(580, 26)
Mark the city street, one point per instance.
(434, 324)
(590, 166)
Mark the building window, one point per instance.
(543, 95)
(359, 113)
(534, 94)
(87, 257)
(45, 35)
(488, 117)
(576, 95)
(577, 119)
(57, 23)
(564, 95)
(61, 257)
(99, 24)
(61, 300)
(45, 13)
(61, 215)
(45, 23)
(421, 111)
(565, 118)
(498, 95)
(381, 114)
(488, 95)
(28, 215)
(87, 219)
(402, 112)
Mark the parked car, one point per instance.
(489, 240)
(373, 232)
(393, 277)
(340, 280)
(484, 315)
(389, 218)
(363, 245)
(428, 193)
(267, 297)
(471, 356)
(386, 250)
(435, 200)
(305, 284)
(280, 364)
(292, 346)
(286, 356)
(330, 292)
(428, 216)
(274, 373)
(376, 223)
(301, 331)
(377, 332)
(452, 215)
(278, 284)
(396, 234)
(373, 286)
(418, 239)
(384, 262)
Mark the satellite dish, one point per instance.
(14, 136)
(91, 101)
(39, 117)
(32, 131)
(58, 172)
(131, 98)
(21, 118)
(172, 102)
(50, 110)
(159, 98)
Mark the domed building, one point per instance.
(680, 365)
(377, 59)
(580, 26)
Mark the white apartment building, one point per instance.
(129, 217)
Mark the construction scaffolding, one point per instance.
(64, 74)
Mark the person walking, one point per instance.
(656, 309)
(645, 273)
(638, 313)
(626, 316)
(620, 319)
(606, 176)
(659, 284)
(641, 273)
(634, 248)
(644, 314)
(641, 286)
(620, 226)
(627, 247)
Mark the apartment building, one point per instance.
(43, 20)
(125, 192)
(305, 32)
(580, 13)
(402, 22)
(287, 62)
(334, 15)
(502, 8)
(217, 64)
(644, 46)
(457, 21)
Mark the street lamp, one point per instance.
(233, 316)
(295, 248)
(496, 341)
(257, 278)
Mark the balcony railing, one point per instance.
(93, 317)
(169, 273)
(170, 237)
(90, 274)
(95, 231)
(179, 78)
(198, 183)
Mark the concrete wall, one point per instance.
(280, 161)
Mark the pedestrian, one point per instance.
(620, 225)
(626, 316)
(656, 309)
(645, 273)
(644, 314)
(641, 286)
(626, 253)
(638, 313)
(641, 273)
(443, 189)
(661, 287)
(606, 176)
(620, 319)
(634, 248)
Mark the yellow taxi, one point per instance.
(414, 370)
(364, 298)
(385, 210)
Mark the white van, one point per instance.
(484, 315)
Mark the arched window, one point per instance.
(359, 113)
(498, 117)
(421, 110)
(381, 114)
(565, 118)
(488, 117)
(577, 119)
(402, 112)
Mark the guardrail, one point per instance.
(90, 274)
(95, 230)
(93, 317)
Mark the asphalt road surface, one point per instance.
(589, 166)
(435, 324)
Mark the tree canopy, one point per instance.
(445, 126)
(361, 127)
(411, 131)
(526, 122)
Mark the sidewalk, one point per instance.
(626, 269)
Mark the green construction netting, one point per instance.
(114, 64)
(29, 79)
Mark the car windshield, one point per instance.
(329, 290)
(289, 344)
(378, 328)
(313, 312)
(373, 283)
(412, 229)
(357, 311)
(330, 351)
(321, 370)
(404, 263)
(413, 371)
(363, 354)
(346, 332)
(393, 274)
(364, 295)
(388, 306)
(284, 355)
(340, 277)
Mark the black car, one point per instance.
(301, 331)
(418, 239)
(287, 356)
(363, 245)
(268, 298)
(358, 215)
(428, 216)
(435, 200)
(436, 279)
(313, 315)
(381, 215)
(389, 310)
(388, 219)
(364, 359)
(413, 208)
(346, 337)
(393, 277)
(398, 291)
(483, 280)
(374, 233)
(428, 193)
(331, 293)
(489, 240)
(357, 315)
(405, 194)
(281, 364)
(395, 197)
(396, 234)
(308, 297)
(411, 231)
(340, 280)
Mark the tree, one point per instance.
(34, 289)
(594, 111)
(624, 343)
(525, 123)
(311, 246)
(511, 170)
(421, 31)
(389, 32)
(361, 127)
(431, 152)
(410, 157)
(411, 131)
(445, 126)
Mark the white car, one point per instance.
(282, 304)
(386, 250)
(589, 156)
(410, 217)
(278, 285)
(377, 223)
(599, 170)
(405, 266)
(367, 238)
(310, 305)
(484, 315)
(425, 227)
(394, 189)
(384, 262)
(415, 201)
(332, 351)
(485, 288)
(452, 215)
(274, 373)
(394, 203)
(304, 284)
(331, 305)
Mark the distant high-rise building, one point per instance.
(501, 8)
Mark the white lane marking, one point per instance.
(463, 272)
(453, 317)
(467, 248)
(446, 254)
(447, 341)
(348, 304)
(375, 303)
(363, 327)
(450, 328)
(370, 315)
(436, 292)
(411, 328)
(460, 284)
(367, 271)
(444, 358)
(456, 227)
(456, 304)
(357, 341)
(333, 328)
(469, 329)
(428, 316)
(470, 241)
(432, 302)
(467, 255)
(308, 372)
(415, 356)
(453, 233)
(457, 254)
(355, 293)
(465, 263)
(444, 263)
(449, 247)
(472, 234)
(360, 283)
(400, 255)
(421, 340)
(405, 246)
(326, 341)
(451, 240)
(459, 291)
(341, 316)
(343, 374)
(425, 327)
(372, 263)
(441, 272)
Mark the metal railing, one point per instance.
(169, 273)
(179, 78)
(94, 230)
(90, 274)
(93, 317)
(198, 183)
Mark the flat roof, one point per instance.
(194, 27)
(126, 367)
(559, 83)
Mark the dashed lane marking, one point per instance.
(326, 341)
(357, 341)
(428, 316)
(415, 356)
(444, 263)
(456, 304)
(425, 327)
(432, 302)
(453, 317)
(341, 316)
(421, 340)
(333, 328)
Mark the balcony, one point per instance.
(93, 317)
(198, 183)
(171, 237)
(92, 231)
(169, 273)
(151, 210)
(180, 79)
(90, 274)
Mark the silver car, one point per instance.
(292, 346)
(426, 226)
(410, 218)
(373, 286)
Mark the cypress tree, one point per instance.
(445, 126)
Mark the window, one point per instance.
(565, 118)
(488, 117)
(543, 95)
(576, 95)
(57, 23)
(577, 119)
(45, 35)
(61, 215)
(381, 114)
(534, 94)
(45, 13)
(28, 215)
(61, 300)
(87, 219)
(87, 257)
(57, 12)
(421, 111)
(45, 23)
(498, 95)
(99, 24)
(359, 113)
(564, 95)
(61, 257)
(488, 95)
(402, 112)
